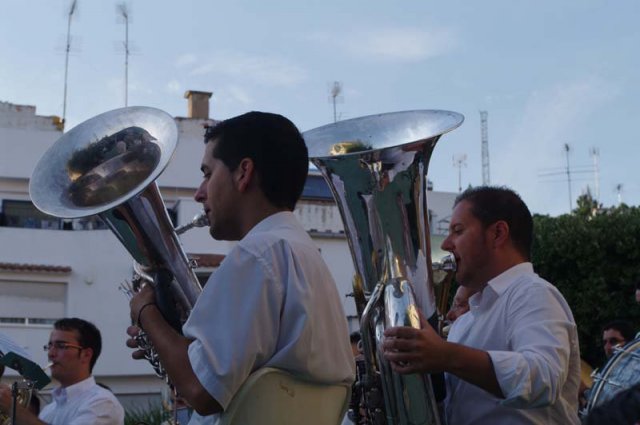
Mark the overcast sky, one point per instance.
(548, 73)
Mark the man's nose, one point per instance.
(446, 244)
(199, 195)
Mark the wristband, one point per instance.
(139, 324)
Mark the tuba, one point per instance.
(376, 169)
(107, 166)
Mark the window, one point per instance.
(25, 214)
(31, 303)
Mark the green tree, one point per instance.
(587, 206)
(593, 257)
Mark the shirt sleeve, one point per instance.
(534, 369)
(234, 323)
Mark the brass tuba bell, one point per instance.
(107, 166)
(376, 168)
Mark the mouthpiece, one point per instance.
(47, 366)
(199, 220)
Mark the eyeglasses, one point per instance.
(61, 345)
(613, 341)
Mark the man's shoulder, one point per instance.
(285, 231)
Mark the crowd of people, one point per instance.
(511, 355)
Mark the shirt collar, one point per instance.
(501, 282)
(271, 221)
(62, 394)
(498, 285)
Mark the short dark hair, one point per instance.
(275, 146)
(490, 204)
(623, 326)
(89, 335)
(355, 337)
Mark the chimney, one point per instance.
(198, 104)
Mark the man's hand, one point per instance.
(23, 415)
(145, 296)
(412, 350)
(133, 331)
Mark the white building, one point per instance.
(51, 268)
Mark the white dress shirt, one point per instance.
(272, 303)
(83, 403)
(526, 326)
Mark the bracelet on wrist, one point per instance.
(138, 322)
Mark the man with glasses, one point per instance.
(73, 348)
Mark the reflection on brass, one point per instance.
(111, 167)
(341, 148)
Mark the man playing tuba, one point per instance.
(272, 302)
(514, 357)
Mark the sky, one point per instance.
(550, 74)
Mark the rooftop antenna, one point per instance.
(336, 90)
(124, 12)
(619, 192)
(72, 9)
(484, 131)
(568, 172)
(595, 154)
(460, 161)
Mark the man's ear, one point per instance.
(500, 233)
(243, 175)
(87, 354)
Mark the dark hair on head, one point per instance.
(623, 326)
(89, 335)
(355, 337)
(276, 148)
(490, 204)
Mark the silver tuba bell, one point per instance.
(376, 168)
(107, 166)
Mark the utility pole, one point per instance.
(72, 9)
(484, 132)
(595, 154)
(566, 149)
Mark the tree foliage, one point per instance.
(593, 257)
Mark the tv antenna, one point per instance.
(335, 93)
(460, 161)
(123, 11)
(72, 9)
(619, 193)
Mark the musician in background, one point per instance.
(616, 334)
(272, 302)
(514, 357)
(73, 348)
(460, 303)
